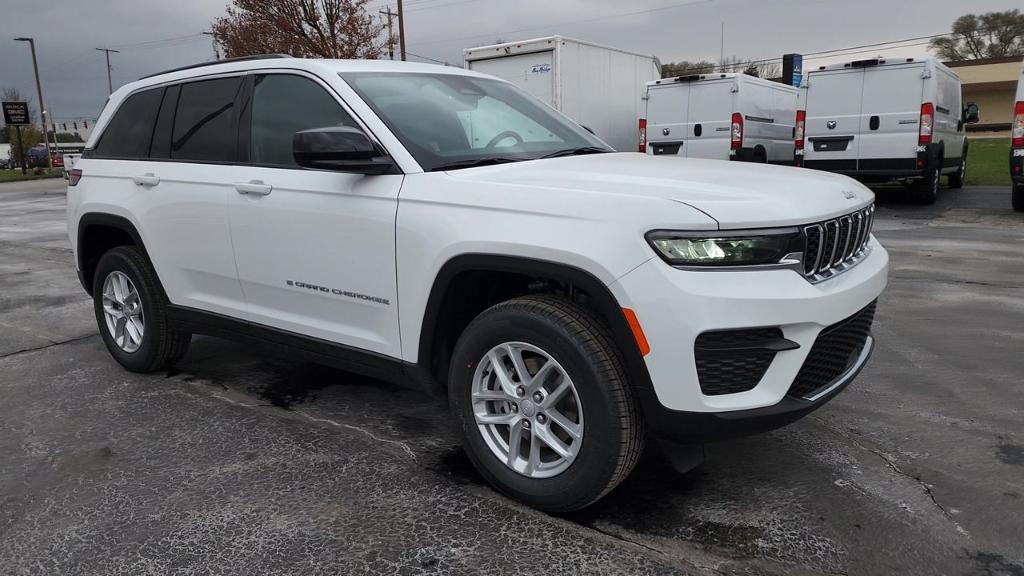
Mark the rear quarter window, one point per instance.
(129, 134)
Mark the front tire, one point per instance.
(132, 314)
(541, 396)
(1018, 196)
(958, 178)
(926, 190)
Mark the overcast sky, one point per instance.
(75, 81)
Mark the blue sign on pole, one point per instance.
(792, 69)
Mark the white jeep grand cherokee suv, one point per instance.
(440, 227)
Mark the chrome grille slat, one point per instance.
(836, 245)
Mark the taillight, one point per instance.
(74, 176)
(798, 133)
(737, 131)
(1017, 131)
(642, 134)
(924, 135)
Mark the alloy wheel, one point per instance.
(527, 410)
(122, 310)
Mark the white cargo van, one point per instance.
(882, 120)
(599, 87)
(721, 116)
(1017, 146)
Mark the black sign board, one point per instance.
(16, 113)
(792, 69)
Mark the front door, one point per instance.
(315, 249)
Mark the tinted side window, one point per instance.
(161, 147)
(130, 130)
(204, 124)
(284, 104)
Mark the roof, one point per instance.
(984, 61)
(720, 76)
(882, 60)
(468, 52)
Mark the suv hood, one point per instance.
(735, 194)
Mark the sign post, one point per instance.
(16, 114)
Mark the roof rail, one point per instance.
(224, 61)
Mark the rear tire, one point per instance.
(958, 178)
(926, 190)
(1018, 196)
(132, 313)
(609, 425)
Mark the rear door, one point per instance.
(534, 73)
(890, 113)
(666, 118)
(712, 103)
(833, 119)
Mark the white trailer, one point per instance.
(723, 116)
(599, 87)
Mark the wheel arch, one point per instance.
(600, 300)
(98, 232)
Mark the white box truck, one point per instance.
(883, 119)
(724, 116)
(1017, 146)
(599, 87)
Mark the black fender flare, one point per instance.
(603, 300)
(105, 220)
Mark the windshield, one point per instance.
(449, 121)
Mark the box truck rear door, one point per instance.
(712, 104)
(534, 73)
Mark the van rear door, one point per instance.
(890, 112)
(667, 111)
(712, 104)
(832, 126)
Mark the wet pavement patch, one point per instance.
(455, 465)
(297, 384)
(1010, 454)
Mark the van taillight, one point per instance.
(74, 176)
(798, 133)
(642, 134)
(737, 131)
(1017, 130)
(924, 135)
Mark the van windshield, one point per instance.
(449, 121)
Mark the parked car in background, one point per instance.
(601, 88)
(722, 117)
(886, 119)
(1017, 147)
(572, 302)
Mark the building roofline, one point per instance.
(984, 61)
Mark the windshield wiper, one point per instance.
(474, 162)
(577, 151)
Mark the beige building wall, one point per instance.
(992, 85)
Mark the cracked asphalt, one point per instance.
(241, 461)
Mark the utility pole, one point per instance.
(721, 57)
(391, 34)
(110, 83)
(401, 29)
(42, 105)
(216, 51)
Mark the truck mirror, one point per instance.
(971, 113)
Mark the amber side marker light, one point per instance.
(638, 332)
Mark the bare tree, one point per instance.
(990, 35)
(686, 68)
(304, 28)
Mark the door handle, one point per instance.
(147, 179)
(254, 187)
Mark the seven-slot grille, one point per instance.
(835, 245)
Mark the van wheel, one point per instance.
(1018, 196)
(926, 190)
(132, 314)
(958, 178)
(539, 390)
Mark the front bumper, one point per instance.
(674, 307)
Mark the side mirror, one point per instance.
(339, 148)
(971, 113)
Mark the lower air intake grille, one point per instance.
(732, 361)
(834, 352)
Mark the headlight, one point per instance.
(782, 247)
